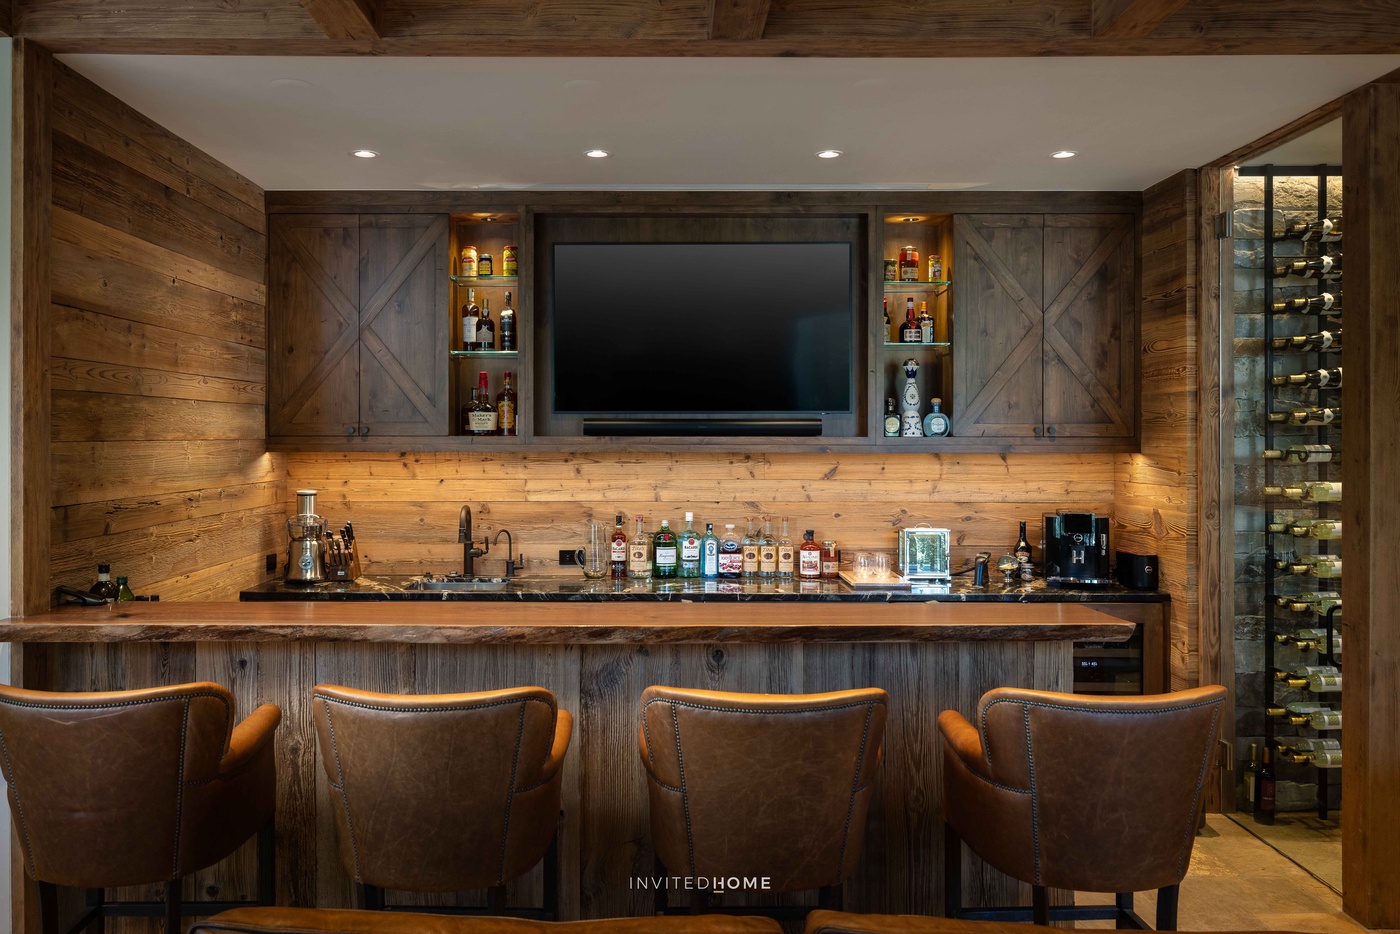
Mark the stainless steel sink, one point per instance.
(476, 584)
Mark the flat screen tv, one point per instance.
(723, 329)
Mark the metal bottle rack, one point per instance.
(1279, 547)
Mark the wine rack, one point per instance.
(1302, 420)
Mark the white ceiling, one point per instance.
(1322, 146)
(288, 123)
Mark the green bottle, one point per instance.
(124, 594)
(665, 552)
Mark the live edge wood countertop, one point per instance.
(905, 618)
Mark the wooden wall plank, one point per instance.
(86, 376)
(90, 336)
(346, 19)
(98, 416)
(1131, 19)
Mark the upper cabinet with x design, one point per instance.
(1046, 326)
(357, 345)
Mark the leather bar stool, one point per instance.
(836, 922)
(761, 785)
(1082, 793)
(444, 792)
(341, 921)
(140, 787)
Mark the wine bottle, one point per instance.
(690, 548)
(665, 551)
(639, 552)
(1325, 230)
(1327, 758)
(1310, 343)
(1302, 454)
(1328, 303)
(1251, 774)
(1306, 416)
(1292, 492)
(1326, 378)
(767, 551)
(1326, 570)
(1326, 719)
(1298, 675)
(1297, 713)
(1264, 784)
(507, 326)
(1325, 682)
(618, 551)
(1318, 267)
(1319, 601)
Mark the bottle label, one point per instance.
(750, 559)
(1266, 794)
(619, 552)
(768, 559)
(810, 564)
(690, 549)
(731, 562)
(785, 559)
(891, 426)
(829, 567)
(711, 564)
(665, 556)
(505, 411)
(637, 558)
(469, 331)
(482, 421)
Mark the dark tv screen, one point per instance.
(715, 328)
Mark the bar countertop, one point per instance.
(570, 611)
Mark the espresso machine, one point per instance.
(1076, 550)
(306, 542)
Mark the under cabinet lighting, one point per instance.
(829, 154)
(1063, 154)
(597, 154)
(363, 153)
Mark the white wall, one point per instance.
(6, 101)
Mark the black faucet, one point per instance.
(513, 562)
(469, 550)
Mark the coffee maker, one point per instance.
(1076, 550)
(306, 542)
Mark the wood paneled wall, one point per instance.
(158, 340)
(1155, 495)
(405, 506)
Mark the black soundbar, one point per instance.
(701, 427)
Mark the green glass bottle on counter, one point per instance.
(665, 551)
(124, 594)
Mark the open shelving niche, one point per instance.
(490, 232)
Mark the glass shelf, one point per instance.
(484, 353)
(892, 344)
(486, 280)
(939, 285)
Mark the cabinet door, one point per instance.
(1090, 333)
(404, 330)
(313, 333)
(997, 385)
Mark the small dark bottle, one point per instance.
(1264, 790)
(507, 326)
(104, 587)
(619, 551)
(485, 328)
(1022, 551)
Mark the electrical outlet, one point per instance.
(271, 564)
(567, 558)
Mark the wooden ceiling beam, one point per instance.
(738, 19)
(1131, 19)
(346, 19)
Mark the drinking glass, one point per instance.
(595, 555)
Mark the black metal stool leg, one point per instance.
(952, 872)
(1166, 908)
(48, 908)
(661, 896)
(1124, 901)
(829, 898)
(267, 864)
(373, 897)
(98, 924)
(496, 899)
(174, 909)
(699, 902)
(551, 879)
(1040, 905)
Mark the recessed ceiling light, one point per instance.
(910, 220)
(1063, 154)
(828, 154)
(363, 153)
(597, 154)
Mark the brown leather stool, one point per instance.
(837, 922)
(761, 785)
(443, 792)
(334, 921)
(136, 787)
(1082, 793)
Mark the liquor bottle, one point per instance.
(1022, 551)
(1326, 230)
(505, 408)
(1327, 378)
(1307, 416)
(936, 424)
(768, 551)
(1328, 303)
(665, 551)
(690, 548)
(910, 333)
(507, 326)
(1251, 774)
(809, 557)
(1318, 267)
(731, 553)
(925, 321)
(485, 328)
(891, 420)
(1302, 454)
(1310, 343)
(618, 552)
(483, 414)
(787, 554)
(751, 544)
(124, 594)
(887, 319)
(104, 587)
(639, 552)
(709, 553)
(471, 315)
(1264, 785)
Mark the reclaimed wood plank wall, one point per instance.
(1156, 496)
(158, 328)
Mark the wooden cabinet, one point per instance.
(357, 345)
(1046, 326)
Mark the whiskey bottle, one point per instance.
(485, 328)
(787, 554)
(1308, 416)
(482, 420)
(809, 557)
(639, 552)
(505, 408)
(1302, 454)
(1326, 378)
(507, 326)
(768, 551)
(1318, 267)
(104, 587)
(471, 314)
(751, 545)
(1328, 303)
(910, 333)
(731, 553)
(618, 552)
(690, 548)
(1326, 230)
(925, 321)
(1310, 343)
(665, 551)
(709, 553)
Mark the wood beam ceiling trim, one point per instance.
(1131, 19)
(738, 19)
(346, 19)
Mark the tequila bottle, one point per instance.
(768, 551)
(751, 545)
(787, 554)
(639, 552)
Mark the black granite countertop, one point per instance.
(556, 589)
